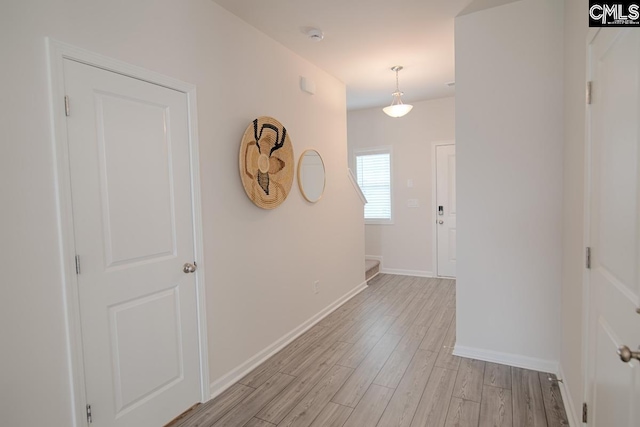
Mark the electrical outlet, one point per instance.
(316, 286)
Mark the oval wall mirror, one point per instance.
(311, 177)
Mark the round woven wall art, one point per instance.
(266, 162)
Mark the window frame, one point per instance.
(371, 151)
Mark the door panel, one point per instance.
(133, 225)
(132, 138)
(146, 329)
(446, 220)
(614, 386)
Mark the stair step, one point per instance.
(372, 267)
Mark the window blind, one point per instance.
(373, 173)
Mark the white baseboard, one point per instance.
(399, 272)
(572, 415)
(227, 380)
(507, 359)
(416, 273)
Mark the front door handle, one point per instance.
(626, 354)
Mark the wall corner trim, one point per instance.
(227, 380)
(510, 359)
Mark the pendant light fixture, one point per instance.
(397, 108)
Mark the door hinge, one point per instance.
(588, 257)
(584, 412)
(589, 85)
(89, 417)
(67, 108)
(77, 264)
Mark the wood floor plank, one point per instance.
(369, 311)
(553, 405)
(356, 305)
(344, 310)
(393, 297)
(450, 299)
(353, 390)
(496, 408)
(463, 413)
(429, 289)
(212, 411)
(470, 379)
(433, 407)
(358, 330)
(262, 373)
(285, 401)
(370, 407)
(405, 400)
(405, 320)
(446, 359)
(528, 406)
(395, 367)
(333, 415)
(303, 414)
(432, 306)
(497, 375)
(372, 302)
(359, 351)
(434, 338)
(256, 422)
(336, 331)
(409, 293)
(251, 405)
(307, 358)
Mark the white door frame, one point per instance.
(57, 53)
(434, 190)
(586, 226)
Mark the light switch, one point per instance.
(413, 203)
(410, 183)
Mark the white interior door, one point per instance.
(614, 386)
(446, 209)
(133, 226)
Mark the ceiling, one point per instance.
(363, 39)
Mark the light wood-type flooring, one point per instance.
(384, 359)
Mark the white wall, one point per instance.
(571, 358)
(509, 131)
(405, 245)
(256, 292)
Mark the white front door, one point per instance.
(614, 228)
(446, 210)
(133, 226)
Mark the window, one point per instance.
(373, 173)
